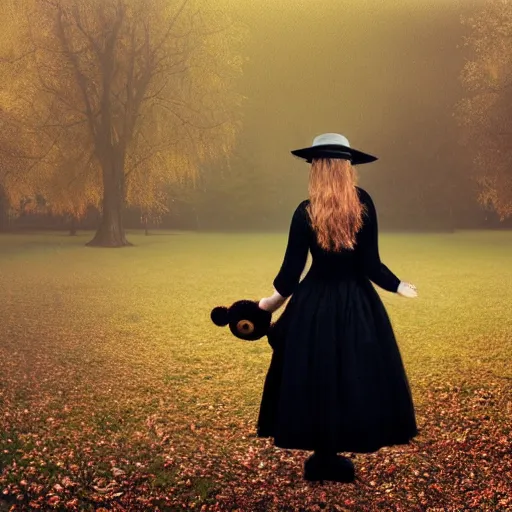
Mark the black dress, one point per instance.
(336, 379)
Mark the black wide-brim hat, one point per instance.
(333, 145)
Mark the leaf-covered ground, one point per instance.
(117, 392)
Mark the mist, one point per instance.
(146, 195)
(384, 74)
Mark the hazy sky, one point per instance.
(384, 73)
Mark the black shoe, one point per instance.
(333, 468)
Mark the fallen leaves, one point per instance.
(98, 416)
(467, 462)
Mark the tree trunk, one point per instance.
(110, 232)
(4, 213)
(196, 215)
(72, 226)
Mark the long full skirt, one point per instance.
(336, 379)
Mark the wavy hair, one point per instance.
(334, 207)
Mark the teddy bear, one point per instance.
(245, 318)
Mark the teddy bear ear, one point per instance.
(219, 316)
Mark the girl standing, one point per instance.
(336, 381)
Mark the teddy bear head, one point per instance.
(245, 318)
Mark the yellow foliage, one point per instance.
(486, 110)
(149, 87)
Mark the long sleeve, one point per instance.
(368, 248)
(295, 256)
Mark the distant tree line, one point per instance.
(127, 112)
(228, 202)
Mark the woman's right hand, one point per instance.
(407, 290)
(272, 303)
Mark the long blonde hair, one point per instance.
(334, 208)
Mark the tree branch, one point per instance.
(17, 59)
(190, 123)
(92, 42)
(154, 149)
(85, 167)
(108, 61)
(63, 125)
(80, 77)
(172, 22)
(36, 159)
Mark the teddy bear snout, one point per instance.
(245, 327)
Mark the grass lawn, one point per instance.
(118, 393)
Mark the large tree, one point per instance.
(486, 112)
(128, 95)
